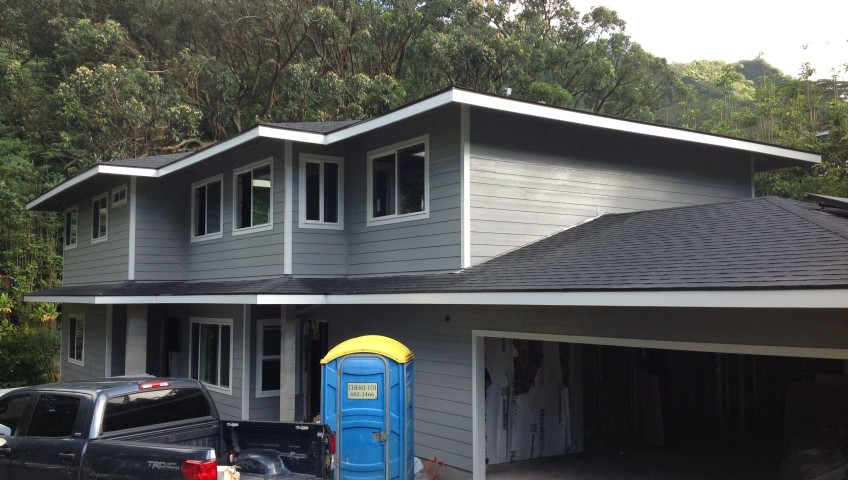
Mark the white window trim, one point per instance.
(388, 219)
(211, 321)
(123, 201)
(255, 228)
(260, 324)
(208, 236)
(65, 244)
(72, 340)
(106, 236)
(320, 224)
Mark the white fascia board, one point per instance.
(216, 149)
(580, 118)
(96, 170)
(268, 131)
(393, 117)
(814, 298)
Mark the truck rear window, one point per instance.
(154, 407)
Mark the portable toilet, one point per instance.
(367, 402)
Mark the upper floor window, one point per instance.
(71, 227)
(100, 217)
(321, 192)
(399, 182)
(76, 339)
(253, 197)
(207, 208)
(119, 196)
(211, 351)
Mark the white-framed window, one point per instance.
(71, 229)
(212, 352)
(119, 196)
(76, 339)
(399, 182)
(321, 192)
(207, 212)
(100, 218)
(253, 197)
(268, 349)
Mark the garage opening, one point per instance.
(634, 412)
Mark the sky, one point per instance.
(785, 33)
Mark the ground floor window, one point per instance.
(76, 339)
(211, 351)
(269, 336)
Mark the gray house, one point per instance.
(528, 255)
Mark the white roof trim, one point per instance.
(220, 147)
(581, 118)
(812, 298)
(97, 169)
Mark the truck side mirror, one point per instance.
(6, 431)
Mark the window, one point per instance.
(398, 182)
(54, 416)
(119, 196)
(253, 198)
(76, 339)
(11, 411)
(99, 218)
(154, 407)
(268, 341)
(207, 212)
(321, 192)
(71, 226)
(211, 352)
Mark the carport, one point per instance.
(677, 409)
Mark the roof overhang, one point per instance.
(764, 155)
(824, 298)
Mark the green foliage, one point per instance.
(28, 354)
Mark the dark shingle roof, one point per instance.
(763, 243)
(156, 161)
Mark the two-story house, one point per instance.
(504, 242)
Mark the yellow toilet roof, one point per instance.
(388, 347)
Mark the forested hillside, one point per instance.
(85, 81)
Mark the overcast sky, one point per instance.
(732, 30)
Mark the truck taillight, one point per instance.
(200, 469)
(332, 443)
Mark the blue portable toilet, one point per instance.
(367, 402)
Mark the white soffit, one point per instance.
(97, 169)
(789, 299)
(612, 123)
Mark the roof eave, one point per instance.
(101, 168)
(797, 298)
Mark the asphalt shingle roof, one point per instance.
(762, 243)
(156, 161)
(314, 127)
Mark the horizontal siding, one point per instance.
(105, 261)
(162, 227)
(423, 245)
(555, 176)
(94, 348)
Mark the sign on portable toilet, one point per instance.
(367, 402)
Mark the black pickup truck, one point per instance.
(146, 428)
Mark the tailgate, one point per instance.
(123, 459)
(303, 447)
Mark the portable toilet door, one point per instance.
(367, 402)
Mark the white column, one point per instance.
(136, 352)
(288, 364)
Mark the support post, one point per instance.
(288, 364)
(135, 362)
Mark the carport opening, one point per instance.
(685, 414)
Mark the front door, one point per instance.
(363, 418)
